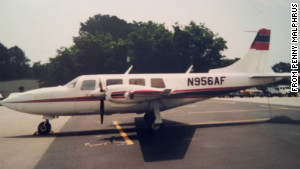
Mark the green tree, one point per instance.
(60, 69)
(37, 70)
(118, 28)
(198, 45)
(226, 62)
(282, 67)
(152, 49)
(102, 45)
(19, 63)
(99, 53)
(13, 63)
(5, 73)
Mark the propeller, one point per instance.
(101, 103)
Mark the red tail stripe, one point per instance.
(260, 45)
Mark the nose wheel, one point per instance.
(44, 128)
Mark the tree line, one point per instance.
(108, 44)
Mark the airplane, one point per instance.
(106, 94)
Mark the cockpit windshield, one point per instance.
(72, 84)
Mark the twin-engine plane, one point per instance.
(145, 93)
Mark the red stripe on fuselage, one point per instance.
(146, 91)
(81, 99)
(71, 99)
(212, 89)
(121, 92)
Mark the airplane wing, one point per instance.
(134, 93)
(149, 94)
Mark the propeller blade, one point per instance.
(102, 110)
(100, 86)
(101, 102)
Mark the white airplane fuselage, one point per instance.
(73, 100)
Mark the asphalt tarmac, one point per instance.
(216, 133)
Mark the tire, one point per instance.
(44, 128)
(155, 127)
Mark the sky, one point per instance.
(40, 27)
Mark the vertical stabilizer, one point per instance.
(256, 58)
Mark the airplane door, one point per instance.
(86, 104)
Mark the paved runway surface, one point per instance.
(216, 133)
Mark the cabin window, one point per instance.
(114, 81)
(72, 84)
(88, 85)
(157, 83)
(140, 82)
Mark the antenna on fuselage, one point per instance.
(189, 70)
(128, 70)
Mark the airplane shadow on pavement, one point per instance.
(170, 143)
(173, 140)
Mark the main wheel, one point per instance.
(44, 128)
(155, 127)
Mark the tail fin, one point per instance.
(256, 58)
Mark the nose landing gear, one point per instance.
(44, 128)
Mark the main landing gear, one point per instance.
(153, 118)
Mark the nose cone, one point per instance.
(10, 102)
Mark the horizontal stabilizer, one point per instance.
(270, 75)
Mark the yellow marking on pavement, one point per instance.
(227, 111)
(123, 134)
(234, 121)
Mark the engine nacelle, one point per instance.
(131, 93)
